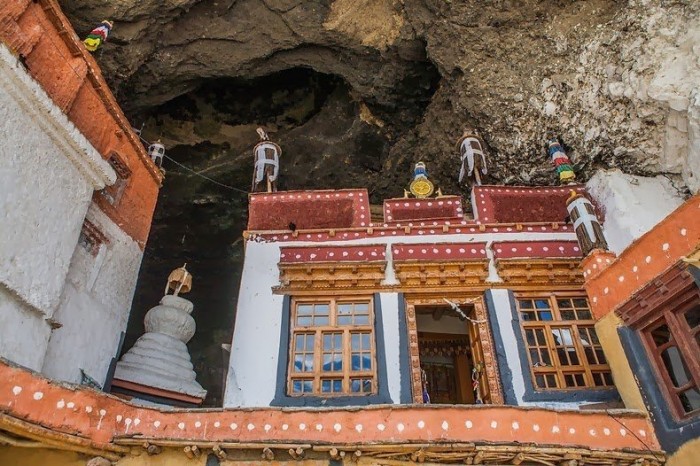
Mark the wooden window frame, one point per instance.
(114, 192)
(556, 369)
(91, 238)
(346, 375)
(685, 339)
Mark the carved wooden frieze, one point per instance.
(330, 275)
(441, 274)
(540, 272)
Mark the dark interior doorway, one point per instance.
(449, 355)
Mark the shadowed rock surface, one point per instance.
(356, 91)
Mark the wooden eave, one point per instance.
(549, 272)
(418, 273)
(301, 276)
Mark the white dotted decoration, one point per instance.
(572, 431)
(217, 424)
(665, 247)
(445, 425)
(337, 427)
(233, 426)
(515, 425)
(251, 426)
(621, 278)
(536, 427)
(358, 428)
(156, 424)
(606, 431)
(181, 426)
(61, 404)
(302, 426)
(119, 418)
(648, 259)
(684, 231)
(421, 424)
(623, 432)
(198, 424)
(494, 424)
(38, 396)
(285, 426)
(319, 427)
(592, 432)
(555, 429)
(267, 427)
(469, 424)
(400, 427)
(88, 409)
(70, 405)
(381, 427)
(16, 390)
(642, 432)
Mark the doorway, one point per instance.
(449, 363)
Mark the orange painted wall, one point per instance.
(56, 58)
(98, 418)
(672, 239)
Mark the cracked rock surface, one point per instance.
(356, 91)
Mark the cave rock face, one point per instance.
(617, 81)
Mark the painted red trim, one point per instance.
(333, 254)
(442, 251)
(535, 249)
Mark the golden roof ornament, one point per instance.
(421, 187)
(179, 281)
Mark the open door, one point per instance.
(450, 350)
(480, 385)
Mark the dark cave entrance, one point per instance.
(211, 131)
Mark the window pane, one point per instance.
(661, 335)
(545, 315)
(525, 304)
(693, 317)
(344, 309)
(331, 385)
(542, 304)
(581, 302)
(362, 320)
(303, 321)
(530, 336)
(584, 314)
(304, 309)
(675, 366)
(541, 340)
(539, 381)
(564, 303)
(690, 399)
(361, 385)
(551, 381)
(528, 315)
(568, 315)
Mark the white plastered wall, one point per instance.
(632, 205)
(48, 172)
(95, 305)
(251, 380)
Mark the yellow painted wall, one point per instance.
(14, 456)
(169, 457)
(687, 455)
(606, 328)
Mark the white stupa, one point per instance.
(159, 365)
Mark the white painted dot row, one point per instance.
(394, 233)
(635, 268)
(16, 390)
